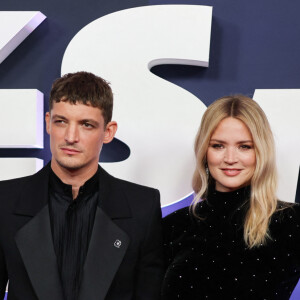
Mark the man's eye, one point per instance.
(59, 121)
(88, 125)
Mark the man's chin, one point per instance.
(70, 165)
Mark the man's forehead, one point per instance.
(76, 104)
(65, 99)
(82, 110)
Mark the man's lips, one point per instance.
(70, 150)
(231, 172)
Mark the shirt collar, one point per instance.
(89, 187)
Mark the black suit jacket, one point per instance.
(124, 259)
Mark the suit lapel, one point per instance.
(34, 239)
(106, 250)
(108, 243)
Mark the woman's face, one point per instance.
(230, 155)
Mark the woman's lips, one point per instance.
(70, 151)
(231, 172)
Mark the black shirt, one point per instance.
(207, 258)
(72, 224)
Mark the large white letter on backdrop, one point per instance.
(282, 108)
(157, 120)
(15, 26)
(23, 108)
(21, 126)
(21, 111)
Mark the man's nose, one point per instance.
(72, 134)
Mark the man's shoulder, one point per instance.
(135, 187)
(16, 184)
(129, 186)
(137, 194)
(11, 191)
(9, 183)
(140, 198)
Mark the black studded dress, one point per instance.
(208, 259)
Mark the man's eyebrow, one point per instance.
(56, 116)
(94, 122)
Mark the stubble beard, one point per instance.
(70, 164)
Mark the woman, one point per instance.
(240, 242)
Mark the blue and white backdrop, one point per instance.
(166, 61)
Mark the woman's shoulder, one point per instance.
(287, 213)
(178, 217)
(287, 209)
(285, 226)
(178, 222)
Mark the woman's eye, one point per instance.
(217, 146)
(245, 147)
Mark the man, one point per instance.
(72, 231)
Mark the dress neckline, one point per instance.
(228, 201)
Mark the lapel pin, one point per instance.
(117, 243)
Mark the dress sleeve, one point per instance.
(174, 226)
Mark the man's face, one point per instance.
(77, 133)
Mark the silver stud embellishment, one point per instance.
(117, 243)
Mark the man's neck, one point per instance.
(74, 177)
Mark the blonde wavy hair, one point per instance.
(263, 200)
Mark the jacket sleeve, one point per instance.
(3, 274)
(150, 268)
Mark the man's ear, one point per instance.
(110, 131)
(48, 119)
